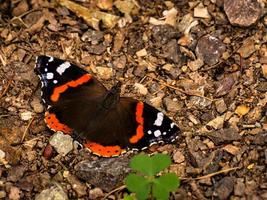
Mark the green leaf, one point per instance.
(160, 162)
(128, 197)
(142, 163)
(163, 185)
(139, 185)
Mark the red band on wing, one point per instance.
(54, 124)
(60, 89)
(105, 151)
(140, 120)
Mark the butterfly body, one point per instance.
(110, 124)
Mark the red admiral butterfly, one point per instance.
(76, 101)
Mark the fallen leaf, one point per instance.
(91, 16)
(242, 110)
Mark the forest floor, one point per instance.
(199, 62)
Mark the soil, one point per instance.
(197, 61)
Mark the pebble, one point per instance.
(120, 62)
(141, 53)
(201, 11)
(217, 122)
(225, 187)
(62, 143)
(2, 194)
(156, 101)
(96, 193)
(242, 12)
(26, 116)
(178, 157)
(264, 70)
(77, 186)
(195, 64)
(231, 149)
(172, 106)
(247, 48)
(242, 110)
(55, 192)
(220, 106)
(104, 72)
(14, 193)
(141, 89)
(210, 49)
(37, 105)
(104, 173)
(239, 187)
(2, 154)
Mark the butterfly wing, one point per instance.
(75, 102)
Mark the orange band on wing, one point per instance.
(60, 89)
(54, 124)
(105, 151)
(140, 120)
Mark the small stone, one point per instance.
(2, 154)
(210, 49)
(217, 123)
(167, 67)
(156, 101)
(104, 4)
(104, 72)
(26, 116)
(172, 106)
(141, 88)
(242, 110)
(239, 187)
(231, 149)
(2, 194)
(55, 192)
(104, 173)
(14, 193)
(225, 187)
(140, 71)
(247, 48)
(201, 11)
(242, 12)
(195, 64)
(220, 106)
(96, 193)
(21, 8)
(264, 70)
(262, 86)
(178, 157)
(141, 53)
(62, 143)
(16, 173)
(77, 185)
(120, 62)
(37, 106)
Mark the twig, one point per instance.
(113, 191)
(26, 130)
(6, 89)
(212, 174)
(180, 90)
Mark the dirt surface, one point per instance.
(197, 61)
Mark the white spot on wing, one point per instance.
(55, 81)
(172, 125)
(46, 69)
(50, 75)
(158, 121)
(61, 69)
(50, 59)
(157, 133)
(149, 132)
(164, 133)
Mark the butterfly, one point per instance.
(77, 102)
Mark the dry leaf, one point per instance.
(242, 110)
(91, 16)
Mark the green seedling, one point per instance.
(146, 183)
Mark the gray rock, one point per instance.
(172, 106)
(37, 106)
(53, 193)
(210, 49)
(62, 143)
(242, 12)
(104, 173)
(225, 187)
